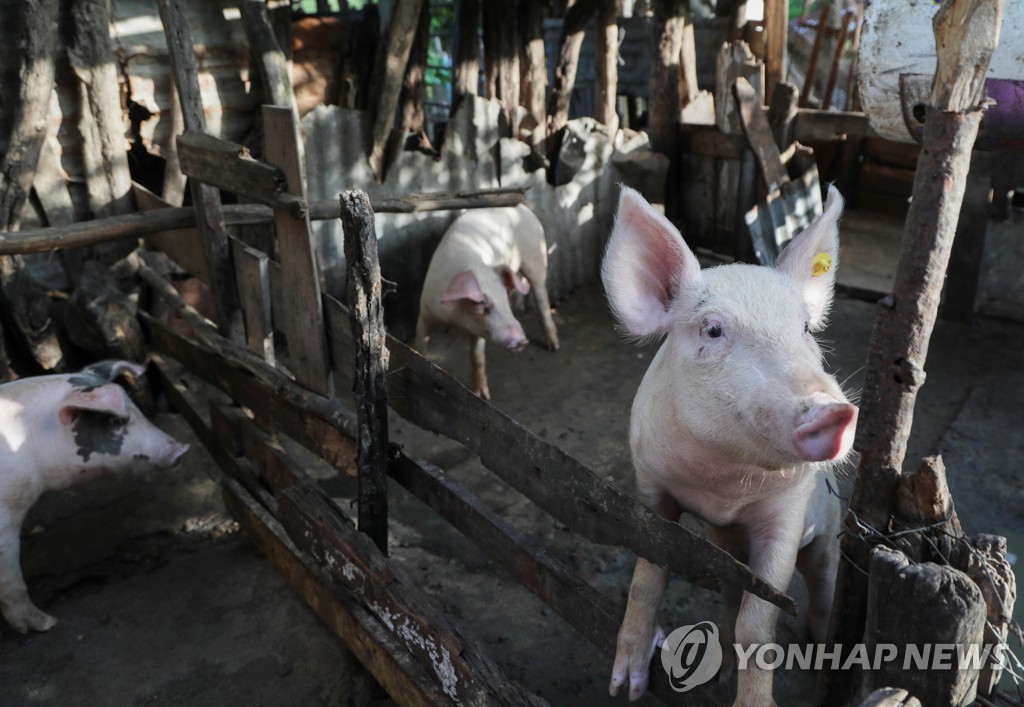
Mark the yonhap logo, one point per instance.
(691, 655)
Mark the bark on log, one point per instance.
(533, 80)
(27, 305)
(734, 60)
(414, 119)
(607, 65)
(269, 58)
(392, 58)
(665, 103)
(904, 321)
(105, 152)
(573, 29)
(776, 30)
(919, 607)
(366, 315)
(501, 51)
(467, 52)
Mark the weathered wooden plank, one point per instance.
(387, 659)
(776, 29)
(559, 484)
(76, 235)
(277, 401)
(466, 674)
(812, 124)
(302, 321)
(759, 134)
(270, 59)
(366, 316)
(205, 199)
(231, 167)
(252, 269)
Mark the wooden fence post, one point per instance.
(966, 34)
(205, 199)
(371, 364)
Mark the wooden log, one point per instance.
(104, 148)
(302, 320)
(665, 100)
(533, 79)
(986, 563)
(501, 60)
(366, 316)
(846, 24)
(574, 26)
(392, 57)
(32, 112)
(175, 181)
(27, 305)
(689, 90)
(76, 235)
(413, 132)
(205, 199)
(904, 320)
(387, 659)
(231, 167)
(918, 608)
(467, 52)
(607, 65)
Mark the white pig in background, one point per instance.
(475, 266)
(735, 421)
(56, 431)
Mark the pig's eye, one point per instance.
(807, 327)
(715, 330)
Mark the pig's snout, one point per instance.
(512, 338)
(826, 430)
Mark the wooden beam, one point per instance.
(776, 30)
(269, 58)
(42, 240)
(467, 51)
(252, 268)
(533, 81)
(231, 167)
(759, 135)
(366, 317)
(607, 65)
(573, 28)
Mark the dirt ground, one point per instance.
(161, 600)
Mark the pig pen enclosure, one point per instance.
(298, 326)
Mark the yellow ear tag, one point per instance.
(821, 264)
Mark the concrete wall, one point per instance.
(576, 214)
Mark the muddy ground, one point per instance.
(161, 600)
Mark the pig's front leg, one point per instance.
(640, 634)
(540, 298)
(773, 553)
(17, 608)
(478, 372)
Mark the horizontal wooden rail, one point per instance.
(83, 233)
(432, 399)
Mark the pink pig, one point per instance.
(56, 431)
(735, 421)
(475, 266)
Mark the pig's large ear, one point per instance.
(108, 398)
(463, 286)
(645, 264)
(510, 278)
(111, 369)
(813, 257)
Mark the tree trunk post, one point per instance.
(467, 52)
(573, 30)
(533, 81)
(966, 33)
(607, 65)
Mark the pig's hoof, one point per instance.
(33, 619)
(483, 393)
(553, 345)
